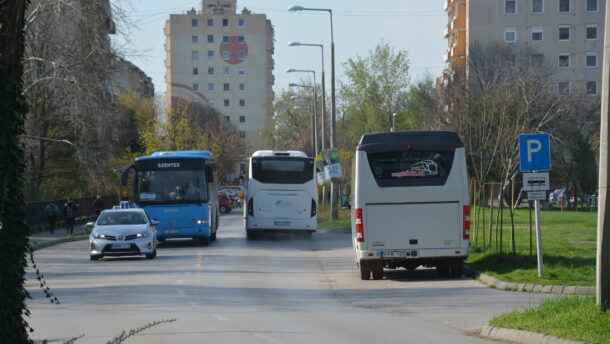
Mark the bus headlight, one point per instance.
(200, 222)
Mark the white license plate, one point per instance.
(394, 254)
(171, 231)
(120, 246)
(282, 223)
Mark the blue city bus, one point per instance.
(177, 188)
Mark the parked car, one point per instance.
(555, 194)
(123, 232)
(225, 205)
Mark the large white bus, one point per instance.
(281, 194)
(411, 203)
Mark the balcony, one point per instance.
(446, 32)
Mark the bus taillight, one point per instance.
(359, 226)
(314, 210)
(466, 222)
(251, 207)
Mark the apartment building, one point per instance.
(222, 59)
(567, 34)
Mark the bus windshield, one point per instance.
(282, 170)
(170, 186)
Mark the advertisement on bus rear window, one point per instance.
(411, 167)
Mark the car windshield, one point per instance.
(121, 218)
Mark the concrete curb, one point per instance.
(530, 288)
(524, 337)
(58, 241)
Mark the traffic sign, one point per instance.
(536, 181)
(535, 152)
(536, 196)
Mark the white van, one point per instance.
(282, 193)
(411, 203)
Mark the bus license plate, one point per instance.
(120, 246)
(282, 223)
(393, 254)
(171, 231)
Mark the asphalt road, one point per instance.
(277, 290)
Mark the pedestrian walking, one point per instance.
(51, 210)
(98, 205)
(70, 209)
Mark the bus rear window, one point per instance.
(410, 167)
(282, 170)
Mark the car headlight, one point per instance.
(142, 235)
(99, 236)
(200, 222)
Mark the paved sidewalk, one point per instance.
(45, 238)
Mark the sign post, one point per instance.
(535, 156)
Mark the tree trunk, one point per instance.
(14, 231)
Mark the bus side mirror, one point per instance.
(209, 174)
(125, 175)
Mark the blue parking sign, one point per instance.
(534, 152)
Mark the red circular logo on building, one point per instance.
(234, 51)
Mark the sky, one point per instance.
(359, 25)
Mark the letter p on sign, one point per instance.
(534, 152)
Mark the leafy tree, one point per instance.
(376, 87)
(14, 231)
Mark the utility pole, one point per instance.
(603, 214)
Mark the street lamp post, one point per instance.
(333, 131)
(314, 122)
(324, 122)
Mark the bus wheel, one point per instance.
(377, 274)
(213, 236)
(365, 275)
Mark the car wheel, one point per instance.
(365, 275)
(151, 255)
(377, 274)
(95, 257)
(223, 209)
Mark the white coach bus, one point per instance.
(281, 194)
(411, 203)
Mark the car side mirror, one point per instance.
(154, 222)
(90, 224)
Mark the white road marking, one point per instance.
(268, 339)
(219, 317)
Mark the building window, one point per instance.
(536, 60)
(210, 54)
(211, 87)
(563, 87)
(564, 61)
(537, 34)
(538, 6)
(227, 103)
(242, 87)
(226, 70)
(564, 33)
(564, 6)
(591, 88)
(242, 134)
(228, 118)
(195, 87)
(195, 39)
(195, 55)
(591, 32)
(241, 22)
(242, 54)
(241, 39)
(211, 71)
(194, 22)
(210, 22)
(591, 6)
(242, 102)
(510, 6)
(225, 39)
(225, 86)
(242, 71)
(210, 38)
(591, 60)
(226, 55)
(242, 119)
(510, 35)
(195, 71)
(225, 22)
